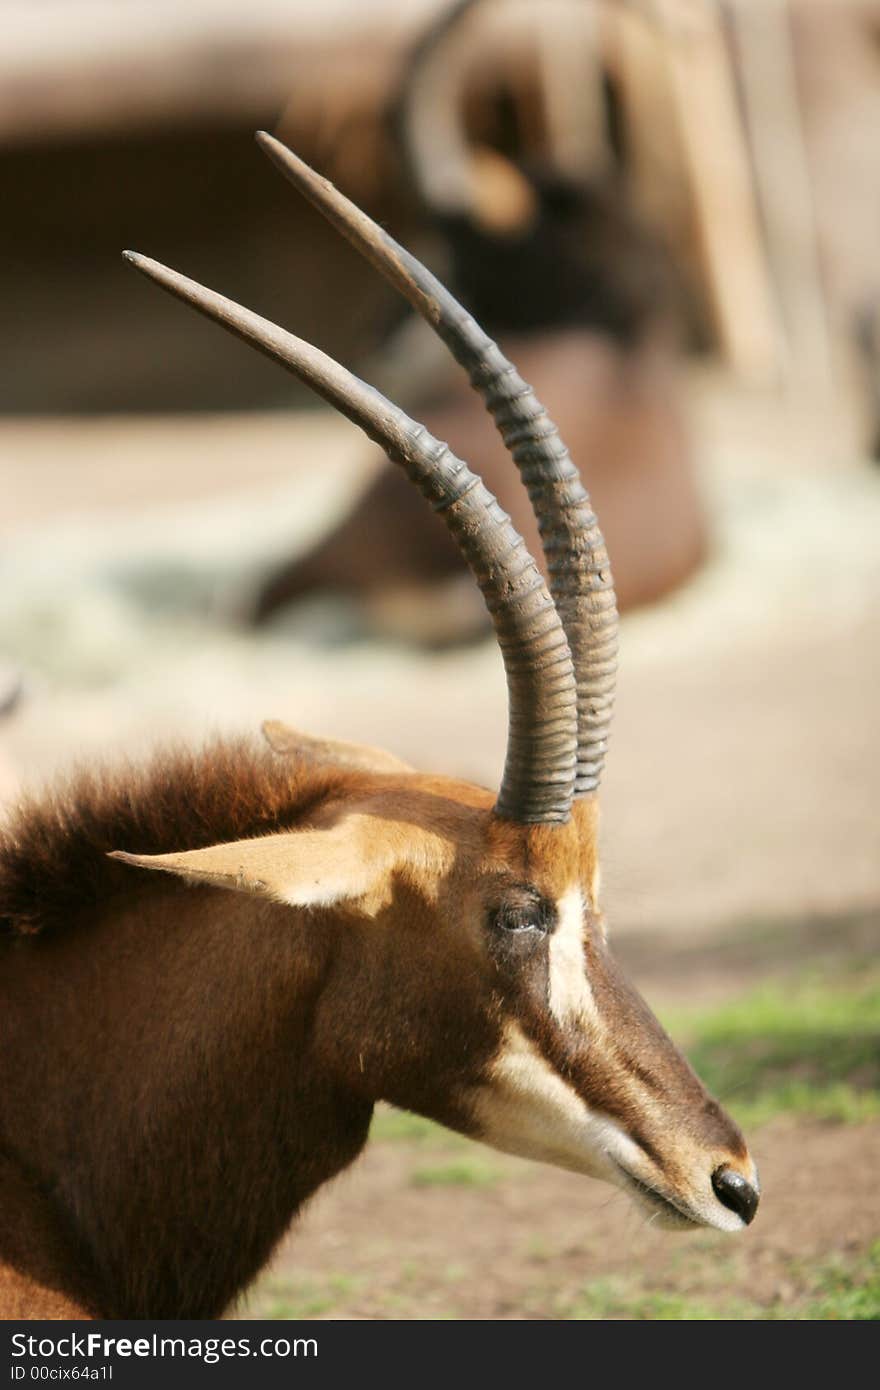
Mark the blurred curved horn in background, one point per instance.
(580, 292)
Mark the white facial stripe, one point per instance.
(571, 999)
(527, 1108)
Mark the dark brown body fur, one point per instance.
(155, 1054)
(182, 1067)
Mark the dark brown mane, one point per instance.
(53, 850)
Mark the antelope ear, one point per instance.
(352, 860)
(281, 738)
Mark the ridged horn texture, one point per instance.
(577, 560)
(539, 769)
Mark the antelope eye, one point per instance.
(520, 913)
(519, 917)
(521, 921)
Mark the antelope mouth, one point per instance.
(674, 1216)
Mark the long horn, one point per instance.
(577, 561)
(538, 781)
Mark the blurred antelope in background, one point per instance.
(582, 295)
(214, 967)
(10, 696)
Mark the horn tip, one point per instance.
(153, 270)
(300, 174)
(140, 262)
(278, 153)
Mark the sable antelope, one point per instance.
(188, 1053)
(583, 297)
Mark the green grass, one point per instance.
(836, 1290)
(401, 1126)
(807, 1048)
(281, 1301)
(471, 1170)
(846, 1292)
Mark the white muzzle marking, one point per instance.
(527, 1108)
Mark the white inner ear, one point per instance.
(354, 859)
(332, 884)
(571, 998)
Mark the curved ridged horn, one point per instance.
(577, 561)
(538, 781)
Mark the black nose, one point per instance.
(733, 1191)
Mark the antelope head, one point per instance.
(467, 970)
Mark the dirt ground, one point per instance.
(530, 1242)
